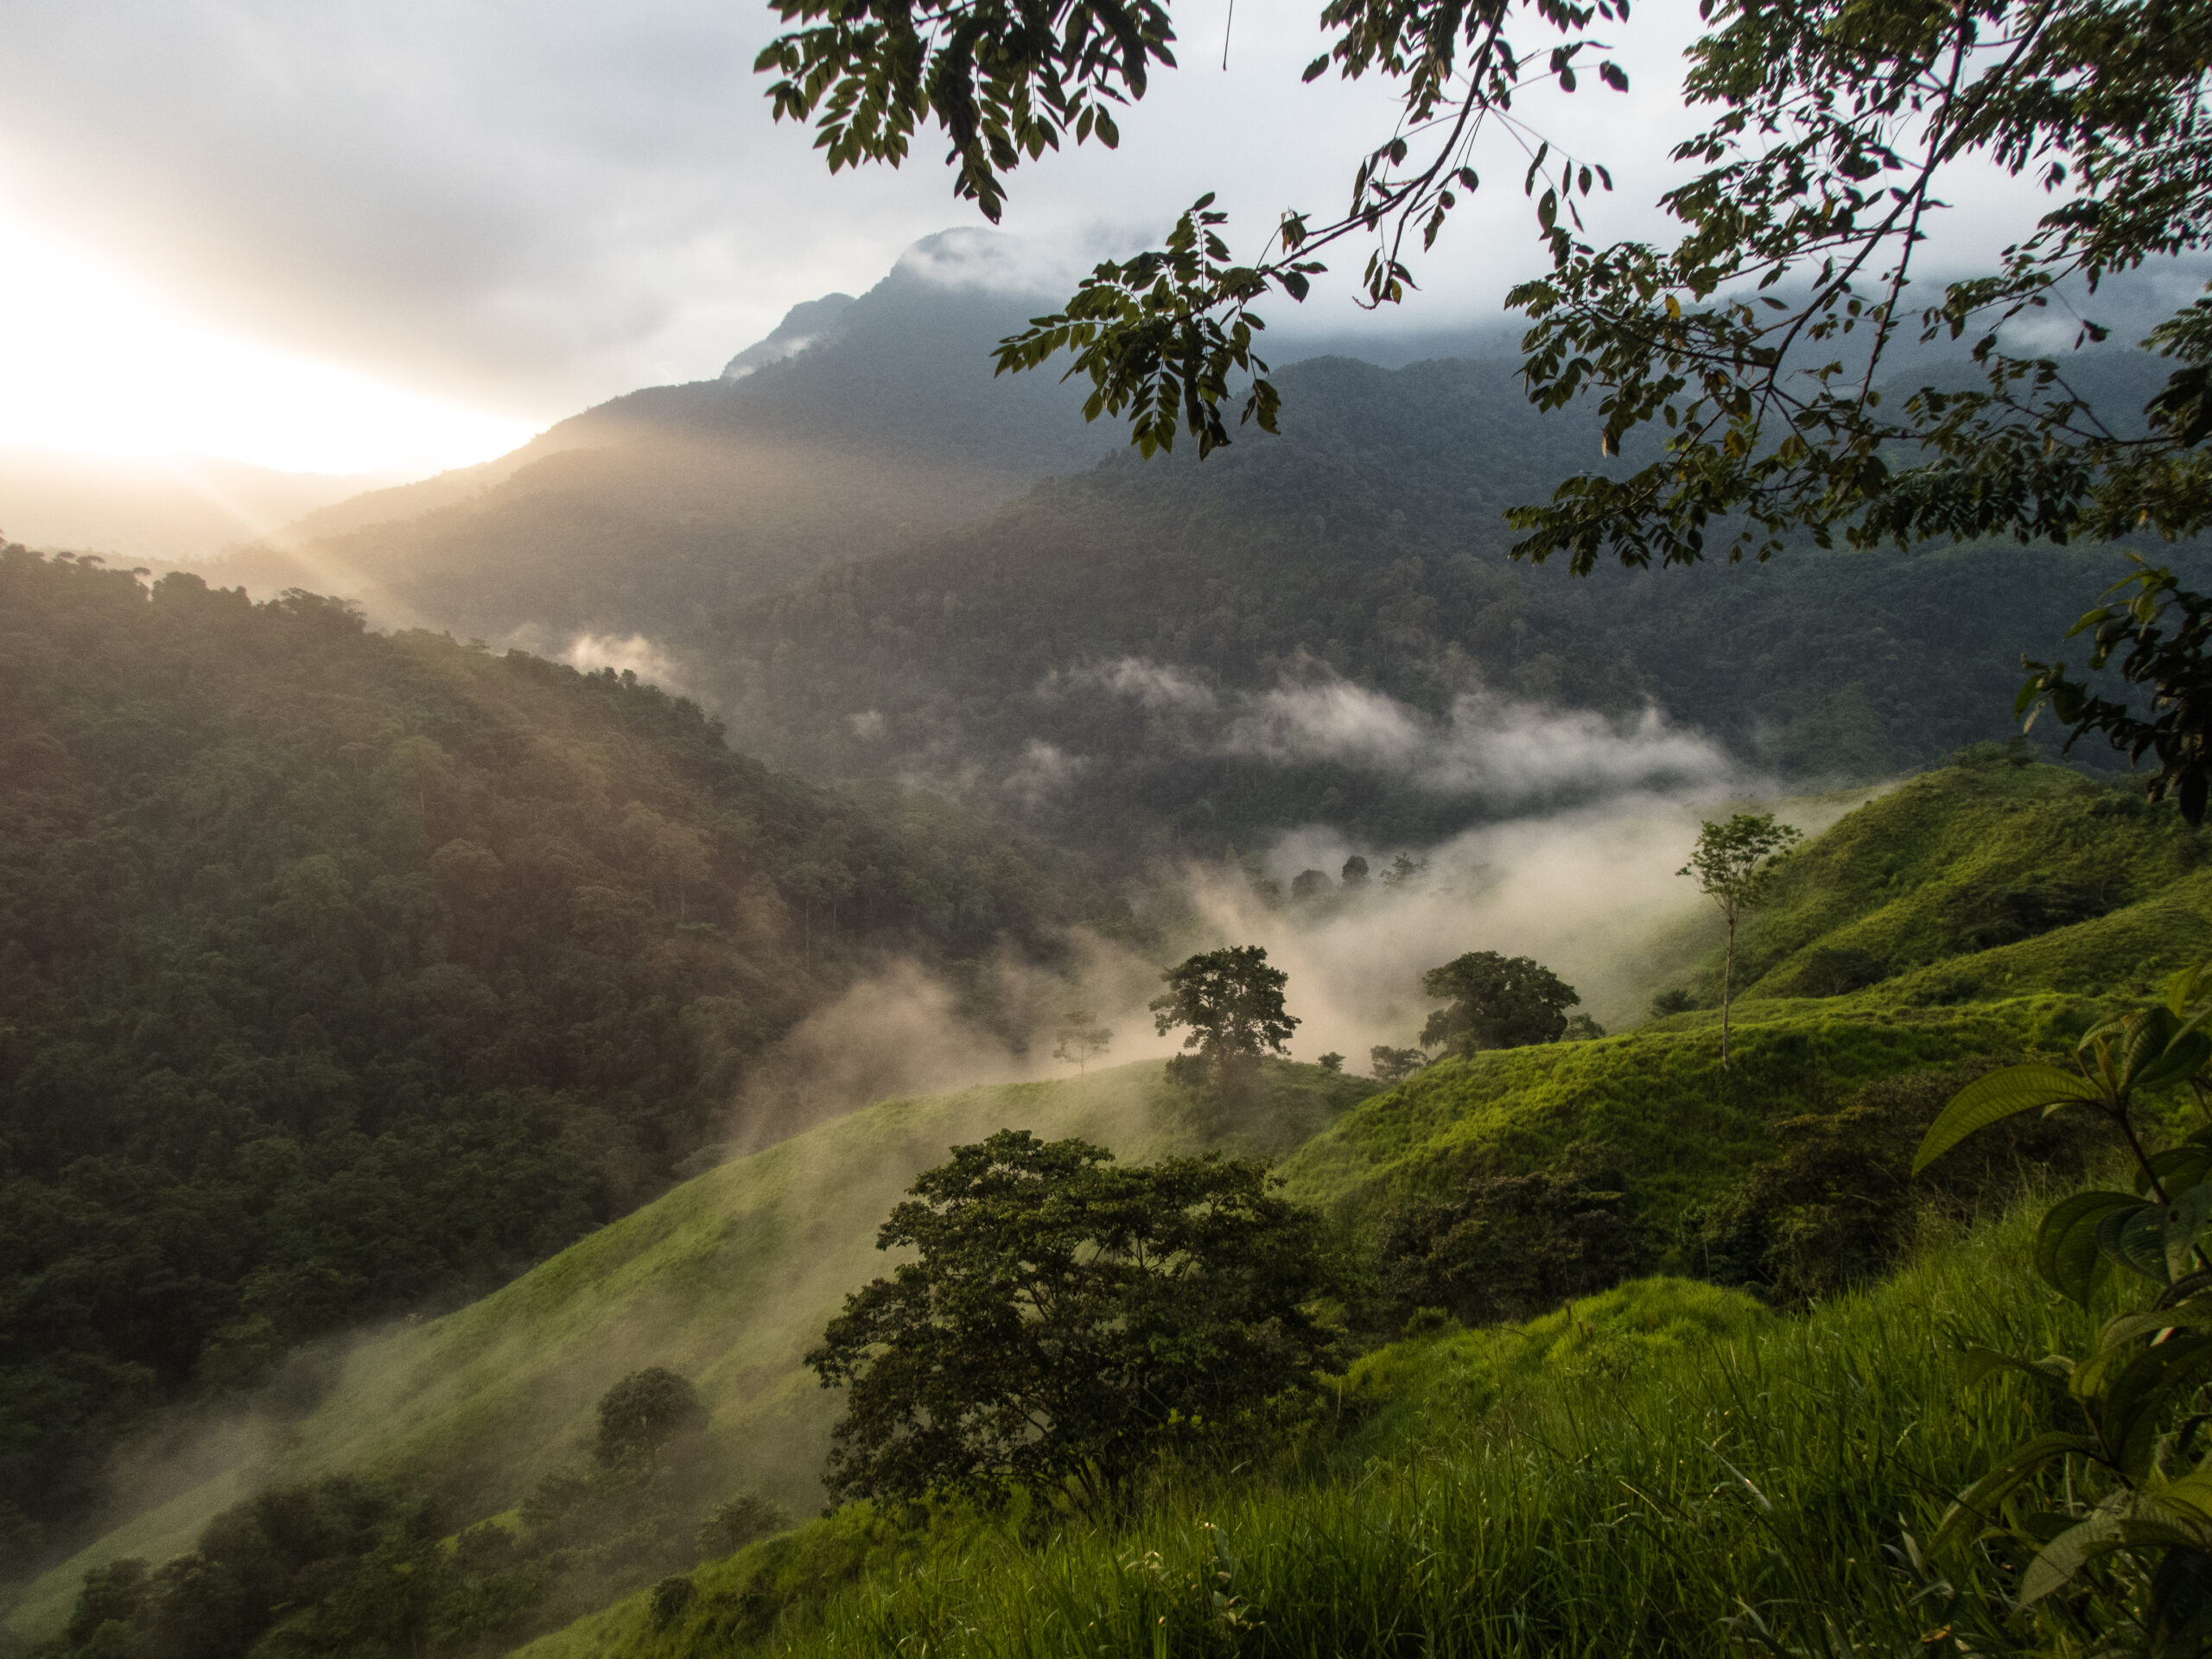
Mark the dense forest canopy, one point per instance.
(1134, 620)
(340, 969)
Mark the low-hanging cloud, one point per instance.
(1488, 745)
(1506, 750)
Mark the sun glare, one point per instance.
(93, 361)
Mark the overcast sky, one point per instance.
(369, 232)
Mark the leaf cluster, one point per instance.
(1495, 1002)
(1064, 1321)
(2128, 1540)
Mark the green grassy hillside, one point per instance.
(1667, 1468)
(2009, 876)
(728, 1280)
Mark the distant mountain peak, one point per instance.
(810, 322)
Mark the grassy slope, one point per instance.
(727, 1279)
(1625, 1476)
(1912, 881)
(688, 1272)
(1572, 1472)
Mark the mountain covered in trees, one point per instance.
(1325, 627)
(341, 970)
(647, 507)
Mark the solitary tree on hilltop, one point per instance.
(1495, 1002)
(1232, 1003)
(1390, 1064)
(1082, 1039)
(1734, 866)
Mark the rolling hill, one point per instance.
(729, 1276)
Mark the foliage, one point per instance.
(1081, 1039)
(341, 971)
(1734, 866)
(340, 1567)
(1512, 1247)
(2118, 1552)
(2161, 634)
(1628, 1475)
(1232, 1003)
(729, 1277)
(1065, 1321)
(1834, 1207)
(639, 1415)
(1394, 1065)
(1495, 1002)
(1755, 345)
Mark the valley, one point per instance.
(507, 936)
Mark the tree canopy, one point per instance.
(338, 970)
(1063, 1320)
(1496, 1001)
(1232, 1003)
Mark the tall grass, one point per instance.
(1659, 1470)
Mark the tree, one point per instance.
(1394, 1064)
(1734, 864)
(1063, 1320)
(1232, 1003)
(1495, 1002)
(639, 1415)
(1756, 348)
(1309, 884)
(1081, 1039)
(1355, 871)
(1332, 1062)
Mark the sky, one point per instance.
(404, 234)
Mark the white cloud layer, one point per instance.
(1501, 749)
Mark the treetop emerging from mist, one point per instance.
(1232, 1003)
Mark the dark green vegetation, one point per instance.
(1230, 1004)
(344, 1566)
(1066, 1320)
(338, 971)
(1494, 1002)
(1136, 618)
(1750, 1440)
(2110, 1510)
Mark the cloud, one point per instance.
(636, 654)
(1507, 751)
(1043, 771)
(1148, 684)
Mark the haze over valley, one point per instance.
(746, 914)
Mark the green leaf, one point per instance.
(2065, 1255)
(2136, 1238)
(2184, 1223)
(2000, 1095)
(1978, 1502)
(2056, 1562)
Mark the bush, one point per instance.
(1837, 1205)
(1511, 1247)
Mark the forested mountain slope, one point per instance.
(339, 970)
(630, 516)
(1324, 628)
